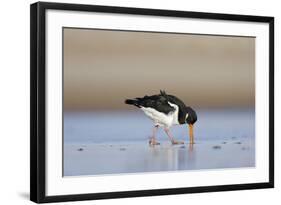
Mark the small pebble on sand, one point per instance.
(223, 142)
(245, 148)
(122, 149)
(216, 147)
(182, 147)
(237, 142)
(80, 149)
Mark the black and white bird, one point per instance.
(165, 111)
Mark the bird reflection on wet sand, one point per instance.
(98, 159)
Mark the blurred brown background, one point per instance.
(103, 68)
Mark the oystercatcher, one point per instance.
(166, 110)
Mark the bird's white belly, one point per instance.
(161, 119)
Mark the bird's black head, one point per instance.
(191, 117)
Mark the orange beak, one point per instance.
(191, 137)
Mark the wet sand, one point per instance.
(137, 157)
(98, 143)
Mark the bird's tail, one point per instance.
(132, 102)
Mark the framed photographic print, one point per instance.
(129, 102)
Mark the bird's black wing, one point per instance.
(157, 102)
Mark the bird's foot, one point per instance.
(175, 142)
(153, 142)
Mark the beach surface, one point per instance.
(117, 143)
(93, 159)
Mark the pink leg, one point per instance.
(171, 137)
(152, 140)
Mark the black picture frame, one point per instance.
(38, 103)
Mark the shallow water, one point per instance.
(117, 142)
